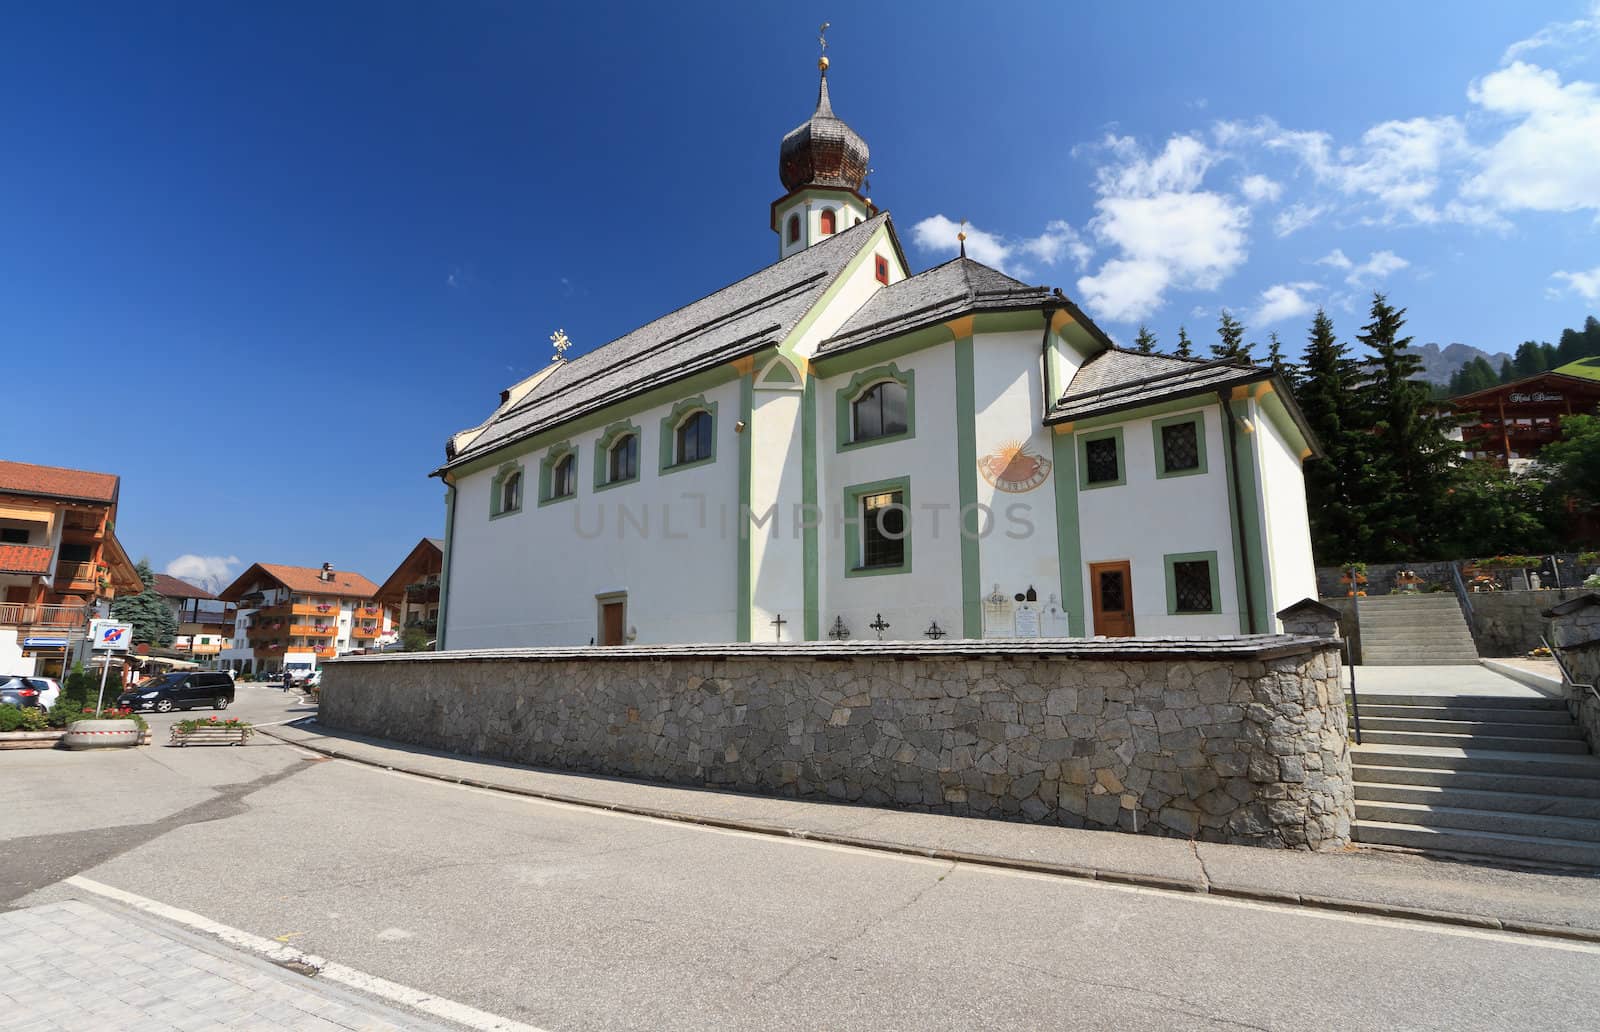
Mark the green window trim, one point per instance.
(846, 396)
(497, 481)
(1210, 558)
(547, 469)
(1115, 433)
(602, 453)
(1156, 426)
(852, 526)
(669, 433)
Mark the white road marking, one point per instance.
(1543, 942)
(278, 953)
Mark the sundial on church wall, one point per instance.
(1014, 467)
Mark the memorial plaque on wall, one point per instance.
(997, 621)
(1027, 620)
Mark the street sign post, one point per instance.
(111, 636)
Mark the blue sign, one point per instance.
(44, 643)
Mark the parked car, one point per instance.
(27, 692)
(181, 689)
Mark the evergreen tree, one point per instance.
(1591, 337)
(1574, 462)
(1326, 391)
(153, 621)
(1185, 348)
(1230, 337)
(1571, 348)
(1145, 342)
(1507, 374)
(1529, 360)
(1402, 497)
(1547, 352)
(1275, 355)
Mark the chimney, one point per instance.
(327, 572)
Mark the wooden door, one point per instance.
(1111, 585)
(611, 623)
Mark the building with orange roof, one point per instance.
(59, 559)
(205, 622)
(292, 617)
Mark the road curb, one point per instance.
(1046, 867)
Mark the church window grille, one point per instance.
(564, 478)
(883, 530)
(1180, 445)
(1192, 585)
(1102, 465)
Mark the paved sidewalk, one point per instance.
(1399, 884)
(72, 966)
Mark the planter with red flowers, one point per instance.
(211, 731)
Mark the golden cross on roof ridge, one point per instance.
(559, 339)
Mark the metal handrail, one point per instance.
(1466, 603)
(1355, 702)
(1566, 675)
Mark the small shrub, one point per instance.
(231, 724)
(1592, 581)
(109, 713)
(14, 719)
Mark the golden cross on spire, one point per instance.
(961, 238)
(822, 42)
(559, 339)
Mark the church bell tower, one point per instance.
(823, 165)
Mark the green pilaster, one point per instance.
(741, 530)
(1250, 563)
(967, 485)
(1069, 545)
(444, 569)
(808, 495)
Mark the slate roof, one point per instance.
(737, 320)
(1115, 379)
(57, 482)
(958, 286)
(306, 580)
(172, 587)
(24, 559)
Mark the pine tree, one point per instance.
(1529, 359)
(1507, 373)
(1185, 348)
(1326, 391)
(1145, 342)
(1402, 497)
(153, 621)
(1230, 336)
(1591, 336)
(1275, 355)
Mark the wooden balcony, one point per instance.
(46, 619)
(365, 633)
(77, 577)
(327, 609)
(324, 651)
(313, 630)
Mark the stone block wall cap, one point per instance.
(1309, 607)
(1572, 605)
(1222, 647)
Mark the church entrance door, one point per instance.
(611, 617)
(1112, 587)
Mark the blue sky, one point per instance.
(262, 261)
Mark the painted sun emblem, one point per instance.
(1011, 467)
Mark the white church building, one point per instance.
(834, 446)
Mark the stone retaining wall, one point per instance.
(1576, 629)
(1509, 623)
(1244, 743)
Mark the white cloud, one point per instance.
(1376, 268)
(936, 234)
(1549, 160)
(1284, 301)
(1397, 166)
(1584, 284)
(1296, 217)
(1169, 233)
(1561, 35)
(212, 572)
(1258, 189)
(1335, 258)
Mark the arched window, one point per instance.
(827, 222)
(564, 478)
(511, 492)
(794, 228)
(880, 411)
(694, 438)
(623, 459)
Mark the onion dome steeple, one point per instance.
(823, 165)
(823, 150)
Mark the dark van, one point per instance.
(181, 689)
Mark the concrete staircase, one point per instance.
(1414, 630)
(1496, 776)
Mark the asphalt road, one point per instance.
(573, 919)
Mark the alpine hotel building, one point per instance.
(835, 446)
